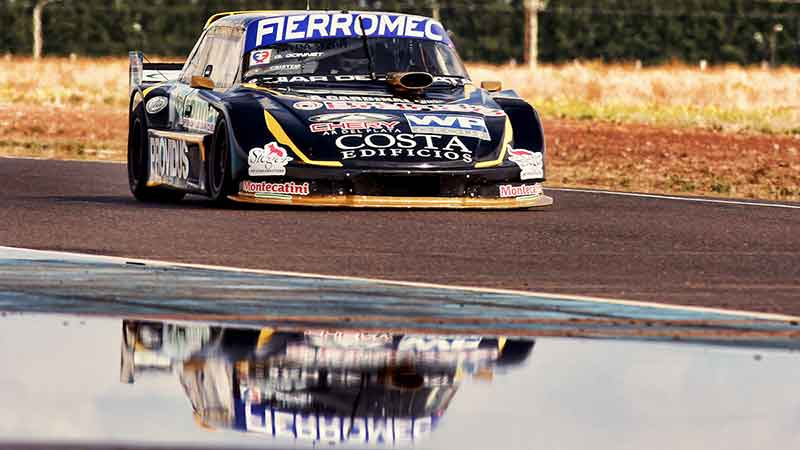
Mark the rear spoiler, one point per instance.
(141, 72)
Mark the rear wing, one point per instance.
(148, 73)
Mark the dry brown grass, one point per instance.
(609, 126)
(60, 82)
(729, 98)
(644, 158)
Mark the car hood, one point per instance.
(369, 128)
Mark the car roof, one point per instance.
(244, 18)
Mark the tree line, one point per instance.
(652, 31)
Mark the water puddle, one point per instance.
(75, 379)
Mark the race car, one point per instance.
(323, 108)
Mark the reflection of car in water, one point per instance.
(318, 386)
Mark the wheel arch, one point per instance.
(526, 122)
(136, 99)
(238, 157)
(244, 118)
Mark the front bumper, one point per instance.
(367, 201)
(496, 188)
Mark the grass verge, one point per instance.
(725, 132)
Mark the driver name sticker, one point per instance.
(531, 163)
(299, 55)
(269, 161)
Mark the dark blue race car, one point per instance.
(320, 108)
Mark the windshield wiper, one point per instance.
(366, 48)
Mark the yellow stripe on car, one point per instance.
(147, 91)
(282, 138)
(264, 337)
(259, 88)
(508, 137)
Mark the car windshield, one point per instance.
(347, 56)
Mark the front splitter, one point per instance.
(368, 201)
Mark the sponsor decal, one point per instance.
(313, 79)
(404, 145)
(467, 126)
(452, 81)
(316, 26)
(352, 117)
(195, 114)
(531, 163)
(332, 124)
(359, 97)
(282, 67)
(343, 339)
(307, 106)
(387, 99)
(352, 127)
(156, 104)
(376, 357)
(260, 57)
(177, 100)
(319, 427)
(169, 159)
(520, 192)
(399, 106)
(439, 343)
(283, 191)
(268, 161)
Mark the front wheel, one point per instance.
(220, 179)
(139, 163)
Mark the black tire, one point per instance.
(139, 163)
(218, 166)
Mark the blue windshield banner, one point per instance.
(316, 26)
(316, 427)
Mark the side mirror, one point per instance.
(202, 83)
(492, 86)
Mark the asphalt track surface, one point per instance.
(694, 253)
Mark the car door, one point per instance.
(194, 111)
(179, 150)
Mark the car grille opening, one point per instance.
(408, 186)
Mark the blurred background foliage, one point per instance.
(652, 31)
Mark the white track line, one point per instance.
(42, 158)
(671, 197)
(155, 263)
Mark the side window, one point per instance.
(198, 60)
(225, 57)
